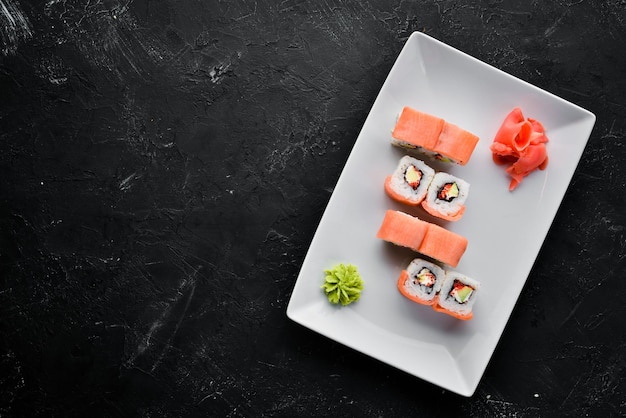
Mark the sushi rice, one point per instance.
(421, 291)
(412, 194)
(449, 302)
(444, 207)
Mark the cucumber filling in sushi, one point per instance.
(457, 296)
(413, 176)
(448, 192)
(460, 292)
(446, 196)
(445, 159)
(425, 279)
(406, 145)
(421, 281)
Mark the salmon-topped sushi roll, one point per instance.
(433, 136)
(455, 144)
(443, 245)
(402, 229)
(423, 237)
(417, 130)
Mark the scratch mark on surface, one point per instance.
(266, 363)
(14, 26)
(572, 312)
(178, 308)
(595, 320)
(252, 13)
(549, 31)
(566, 399)
(126, 184)
(109, 37)
(611, 134)
(574, 92)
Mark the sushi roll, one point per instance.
(423, 237)
(457, 295)
(446, 197)
(409, 182)
(402, 229)
(443, 245)
(455, 144)
(421, 281)
(433, 136)
(417, 130)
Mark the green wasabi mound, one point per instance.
(343, 284)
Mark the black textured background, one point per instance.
(164, 165)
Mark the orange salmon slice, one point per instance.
(418, 128)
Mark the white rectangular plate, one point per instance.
(505, 229)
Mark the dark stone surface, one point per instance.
(164, 165)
